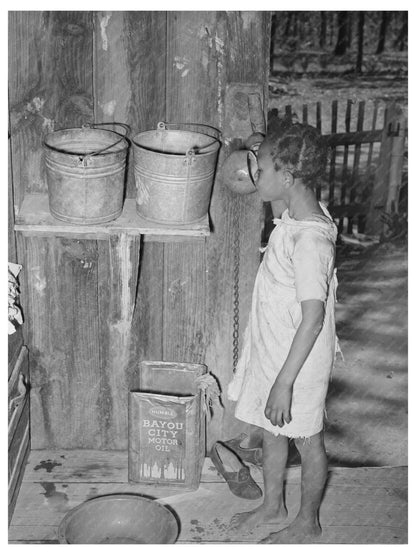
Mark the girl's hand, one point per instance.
(278, 404)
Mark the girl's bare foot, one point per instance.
(299, 531)
(245, 522)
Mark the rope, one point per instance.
(210, 391)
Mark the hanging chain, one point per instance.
(236, 283)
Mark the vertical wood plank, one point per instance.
(17, 444)
(396, 165)
(344, 175)
(148, 318)
(18, 428)
(319, 128)
(19, 463)
(184, 303)
(60, 299)
(371, 145)
(332, 163)
(362, 219)
(118, 266)
(319, 116)
(50, 86)
(304, 113)
(25, 47)
(11, 238)
(355, 179)
(380, 188)
(194, 51)
(15, 340)
(130, 60)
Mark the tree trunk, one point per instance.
(401, 39)
(289, 16)
(330, 16)
(302, 27)
(322, 34)
(342, 42)
(361, 20)
(385, 18)
(295, 25)
(349, 28)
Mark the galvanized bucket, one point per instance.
(85, 172)
(174, 172)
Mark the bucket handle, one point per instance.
(162, 125)
(126, 127)
(83, 159)
(93, 126)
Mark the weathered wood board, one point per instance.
(79, 336)
(361, 505)
(184, 302)
(18, 425)
(50, 86)
(117, 273)
(89, 465)
(130, 67)
(61, 307)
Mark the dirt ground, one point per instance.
(367, 398)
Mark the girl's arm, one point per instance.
(280, 398)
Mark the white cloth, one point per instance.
(14, 312)
(298, 265)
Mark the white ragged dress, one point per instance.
(298, 265)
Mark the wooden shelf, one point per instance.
(34, 218)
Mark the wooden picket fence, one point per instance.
(364, 171)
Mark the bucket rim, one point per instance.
(211, 148)
(122, 140)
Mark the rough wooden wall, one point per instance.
(50, 86)
(84, 335)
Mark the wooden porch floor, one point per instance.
(361, 505)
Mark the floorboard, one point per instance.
(360, 506)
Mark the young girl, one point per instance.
(282, 377)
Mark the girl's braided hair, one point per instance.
(298, 147)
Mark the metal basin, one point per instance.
(119, 518)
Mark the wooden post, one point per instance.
(396, 165)
(380, 193)
(255, 108)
